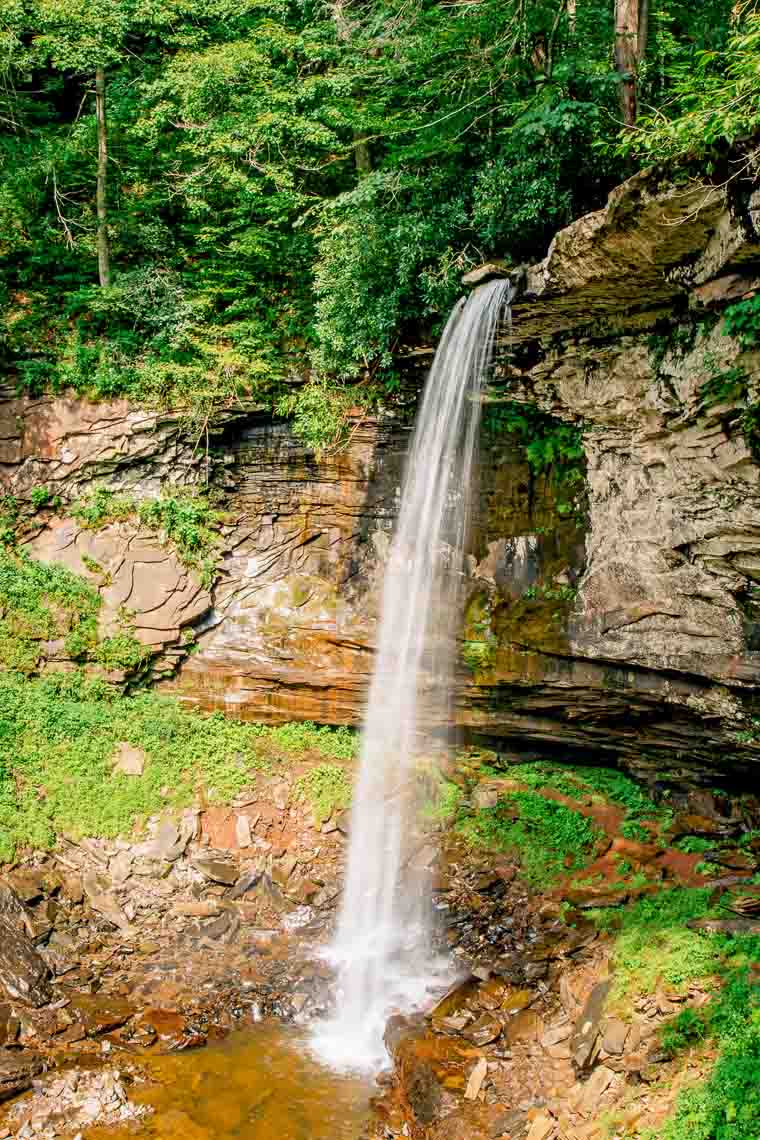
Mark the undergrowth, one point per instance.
(726, 1105)
(327, 788)
(58, 737)
(655, 946)
(43, 605)
(581, 782)
(548, 837)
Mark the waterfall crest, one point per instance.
(383, 941)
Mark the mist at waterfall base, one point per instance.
(383, 944)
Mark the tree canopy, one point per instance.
(295, 187)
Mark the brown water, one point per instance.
(259, 1084)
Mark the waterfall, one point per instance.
(383, 941)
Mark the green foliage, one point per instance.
(693, 844)
(550, 444)
(688, 1028)
(478, 655)
(59, 735)
(121, 652)
(579, 782)
(725, 1106)
(186, 520)
(294, 187)
(319, 414)
(39, 603)
(654, 944)
(444, 803)
(548, 837)
(327, 788)
(742, 320)
(302, 737)
(715, 89)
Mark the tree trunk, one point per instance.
(104, 268)
(362, 153)
(631, 28)
(572, 7)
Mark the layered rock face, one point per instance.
(624, 621)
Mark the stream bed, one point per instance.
(258, 1084)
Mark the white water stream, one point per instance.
(383, 942)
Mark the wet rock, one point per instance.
(483, 1031)
(98, 1014)
(455, 999)
(97, 889)
(283, 869)
(222, 929)
(27, 885)
(201, 908)
(128, 760)
(706, 827)
(120, 868)
(513, 1124)
(343, 822)
(17, 1070)
(524, 1026)
(245, 883)
(486, 272)
(541, 1128)
(584, 1044)
(215, 867)
(725, 925)
(586, 898)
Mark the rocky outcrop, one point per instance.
(620, 619)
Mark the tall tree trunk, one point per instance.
(362, 153)
(631, 28)
(572, 7)
(104, 255)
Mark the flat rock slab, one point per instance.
(217, 868)
(583, 1045)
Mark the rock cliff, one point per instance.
(622, 618)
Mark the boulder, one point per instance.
(128, 760)
(17, 1071)
(23, 972)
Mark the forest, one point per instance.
(206, 200)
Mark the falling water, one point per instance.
(383, 941)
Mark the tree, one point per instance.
(84, 38)
(631, 31)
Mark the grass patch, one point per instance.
(58, 736)
(327, 788)
(654, 945)
(301, 737)
(583, 781)
(444, 802)
(725, 1106)
(40, 603)
(548, 837)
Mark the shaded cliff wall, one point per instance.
(626, 625)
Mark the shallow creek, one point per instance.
(258, 1084)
